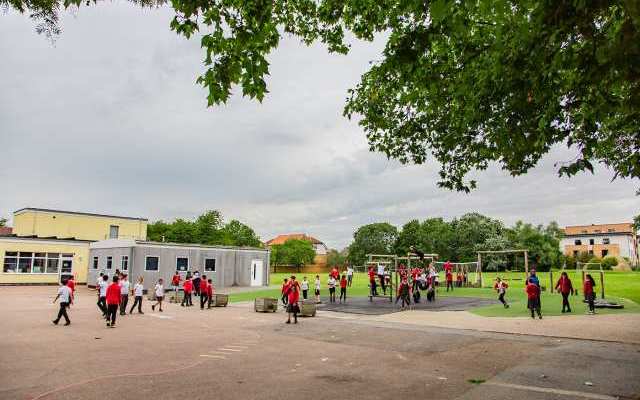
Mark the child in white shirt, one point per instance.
(138, 291)
(159, 295)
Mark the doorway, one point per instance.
(257, 268)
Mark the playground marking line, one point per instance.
(213, 356)
(237, 346)
(538, 389)
(227, 349)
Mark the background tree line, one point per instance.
(209, 228)
(458, 240)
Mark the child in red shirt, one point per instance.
(533, 298)
(175, 285)
(71, 283)
(284, 290)
(449, 276)
(293, 296)
(209, 291)
(343, 288)
(113, 301)
(204, 297)
(372, 281)
(187, 287)
(589, 294)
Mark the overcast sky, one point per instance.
(109, 120)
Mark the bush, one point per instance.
(609, 262)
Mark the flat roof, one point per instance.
(204, 246)
(76, 213)
(44, 238)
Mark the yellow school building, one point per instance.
(47, 244)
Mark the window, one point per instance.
(592, 241)
(151, 263)
(611, 230)
(66, 265)
(10, 262)
(605, 252)
(210, 264)
(606, 241)
(597, 231)
(52, 264)
(31, 263)
(113, 231)
(39, 263)
(124, 263)
(575, 253)
(577, 242)
(24, 263)
(182, 264)
(584, 231)
(591, 252)
(109, 262)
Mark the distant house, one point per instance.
(320, 261)
(5, 230)
(618, 240)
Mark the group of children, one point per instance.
(412, 281)
(193, 286)
(114, 296)
(564, 286)
(334, 281)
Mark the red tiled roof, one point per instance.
(280, 239)
(5, 230)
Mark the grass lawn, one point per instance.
(622, 287)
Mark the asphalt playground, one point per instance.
(235, 353)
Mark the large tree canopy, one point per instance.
(465, 82)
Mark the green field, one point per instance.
(622, 287)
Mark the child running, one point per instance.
(533, 298)
(138, 292)
(589, 293)
(159, 295)
(343, 288)
(501, 287)
(317, 289)
(113, 301)
(102, 295)
(66, 298)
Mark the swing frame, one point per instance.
(585, 269)
(461, 267)
(392, 261)
(510, 251)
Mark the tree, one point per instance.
(544, 248)
(238, 234)
(433, 235)
(336, 258)
(208, 228)
(467, 83)
(3, 222)
(470, 232)
(377, 238)
(636, 223)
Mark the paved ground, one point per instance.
(234, 353)
(382, 306)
